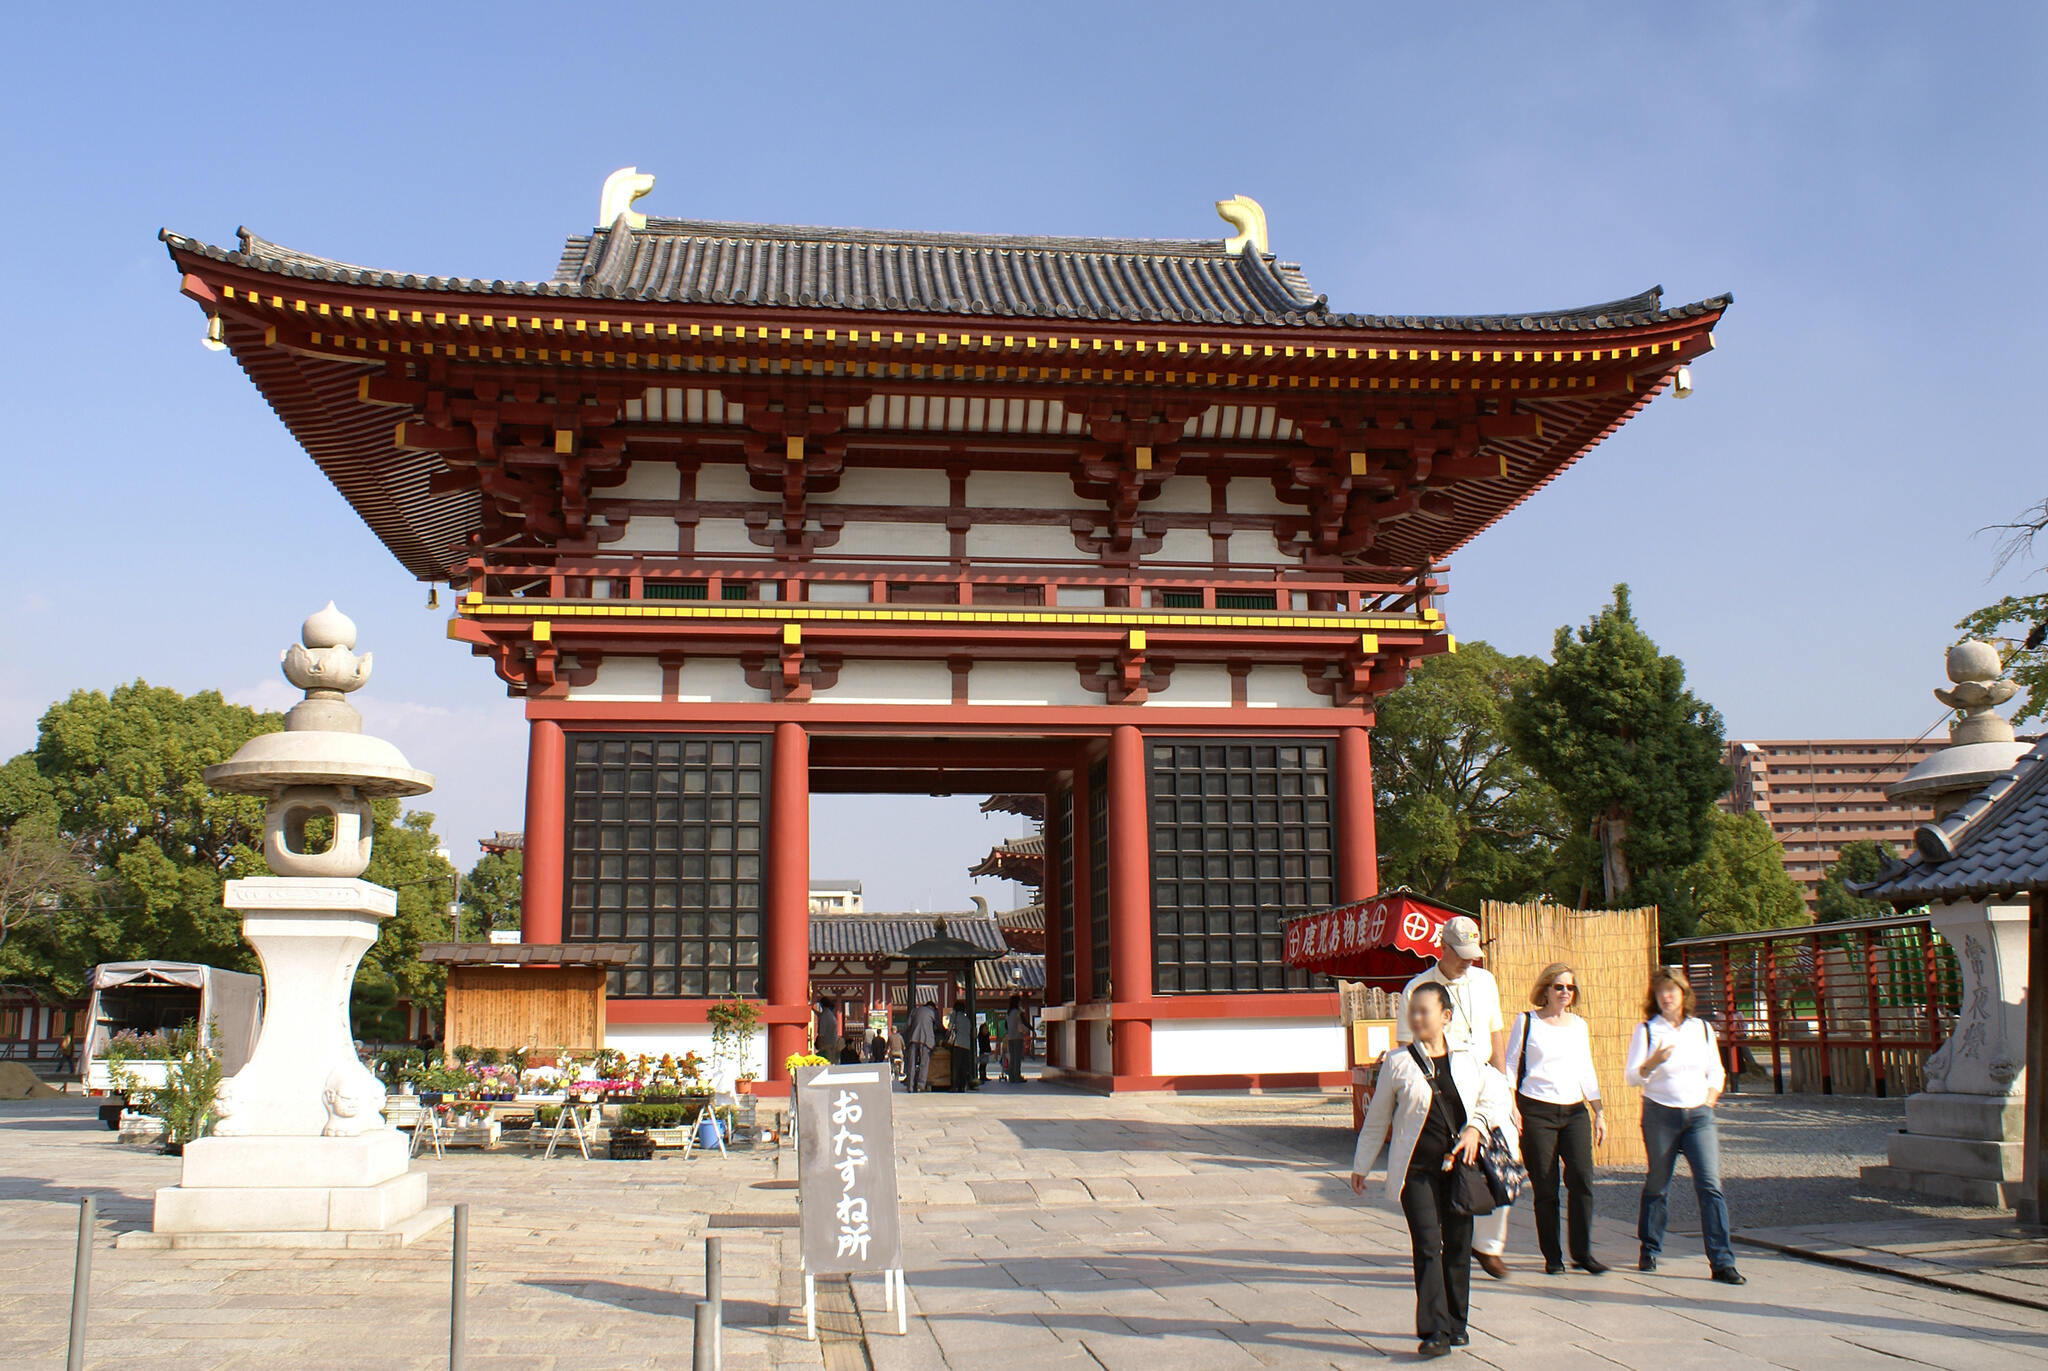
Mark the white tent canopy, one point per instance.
(230, 1004)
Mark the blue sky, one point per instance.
(1866, 179)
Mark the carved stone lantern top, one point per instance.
(323, 743)
(1981, 746)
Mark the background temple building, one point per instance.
(743, 513)
(1820, 794)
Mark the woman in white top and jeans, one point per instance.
(1674, 1058)
(1438, 1102)
(1557, 1095)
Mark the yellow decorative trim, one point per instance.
(475, 607)
(543, 631)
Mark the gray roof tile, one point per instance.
(885, 935)
(1994, 845)
(777, 266)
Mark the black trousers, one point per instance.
(1554, 1133)
(1442, 1244)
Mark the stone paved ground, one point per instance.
(1050, 1230)
(1043, 1229)
(584, 1264)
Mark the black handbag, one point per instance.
(1472, 1193)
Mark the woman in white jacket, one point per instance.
(1439, 1104)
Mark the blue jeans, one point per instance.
(1666, 1133)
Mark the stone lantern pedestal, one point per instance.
(1962, 1140)
(300, 1155)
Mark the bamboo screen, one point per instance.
(525, 1006)
(1612, 953)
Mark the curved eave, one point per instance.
(317, 395)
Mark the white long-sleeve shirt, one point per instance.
(1552, 1062)
(1691, 1071)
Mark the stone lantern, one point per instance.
(1962, 1136)
(300, 1150)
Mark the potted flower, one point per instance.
(744, 1085)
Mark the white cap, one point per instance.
(1461, 935)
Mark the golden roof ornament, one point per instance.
(1248, 217)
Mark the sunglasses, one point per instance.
(1565, 986)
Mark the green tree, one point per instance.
(46, 882)
(2019, 623)
(1738, 884)
(1862, 860)
(117, 779)
(1634, 755)
(491, 893)
(1460, 816)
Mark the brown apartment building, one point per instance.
(1819, 794)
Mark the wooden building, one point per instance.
(508, 995)
(746, 512)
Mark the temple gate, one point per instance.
(745, 513)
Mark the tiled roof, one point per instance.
(1016, 974)
(504, 840)
(885, 935)
(777, 266)
(1995, 844)
(1028, 919)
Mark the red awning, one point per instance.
(1388, 938)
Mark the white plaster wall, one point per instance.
(1185, 545)
(1099, 1055)
(622, 678)
(726, 481)
(648, 533)
(1255, 545)
(653, 1039)
(887, 486)
(1020, 540)
(891, 683)
(1254, 495)
(838, 592)
(1245, 1047)
(1027, 683)
(1281, 687)
(1082, 597)
(1181, 495)
(1020, 490)
(715, 680)
(715, 536)
(647, 480)
(1197, 684)
(887, 540)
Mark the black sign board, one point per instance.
(846, 1169)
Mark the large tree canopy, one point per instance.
(491, 894)
(1634, 755)
(1460, 816)
(1738, 884)
(116, 779)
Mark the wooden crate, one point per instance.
(1611, 953)
(525, 1006)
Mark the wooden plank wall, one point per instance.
(525, 1006)
(1611, 953)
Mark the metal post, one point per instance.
(458, 1293)
(81, 1285)
(701, 1340)
(714, 1295)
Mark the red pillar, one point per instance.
(1055, 907)
(1358, 862)
(1077, 917)
(1130, 897)
(540, 861)
(787, 975)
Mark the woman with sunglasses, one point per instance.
(1557, 1103)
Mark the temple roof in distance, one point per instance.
(835, 936)
(775, 266)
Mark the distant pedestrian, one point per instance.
(1557, 1100)
(1675, 1061)
(963, 1047)
(828, 1029)
(67, 1056)
(1438, 1100)
(896, 1049)
(878, 1048)
(850, 1055)
(1017, 1038)
(984, 1048)
(1477, 1026)
(919, 1037)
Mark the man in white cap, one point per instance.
(1476, 1026)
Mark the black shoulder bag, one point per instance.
(1471, 1191)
